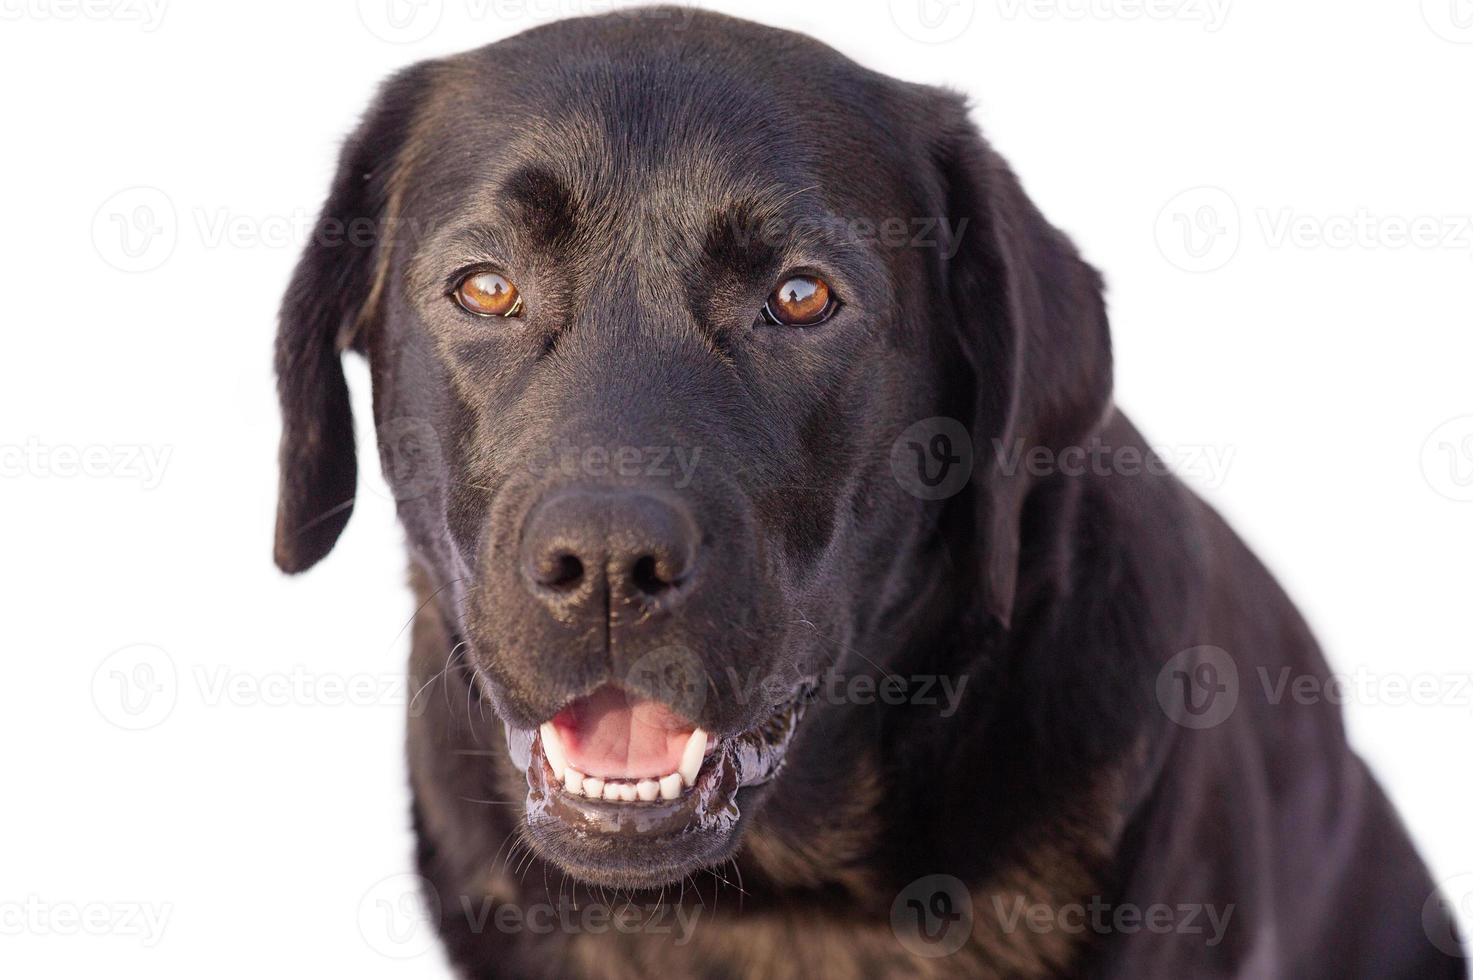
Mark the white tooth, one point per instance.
(627, 792)
(690, 761)
(647, 789)
(670, 786)
(573, 781)
(611, 791)
(593, 787)
(552, 748)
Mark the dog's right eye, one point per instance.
(488, 294)
(800, 301)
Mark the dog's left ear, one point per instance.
(332, 303)
(1030, 315)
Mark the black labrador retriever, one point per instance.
(729, 393)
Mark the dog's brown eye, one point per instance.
(801, 301)
(489, 294)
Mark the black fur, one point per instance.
(646, 179)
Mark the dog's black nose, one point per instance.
(580, 545)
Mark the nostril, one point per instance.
(648, 577)
(561, 570)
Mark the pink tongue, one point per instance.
(613, 735)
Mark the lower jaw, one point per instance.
(639, 845)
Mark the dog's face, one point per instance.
(646, 312)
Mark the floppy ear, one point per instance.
(1031, 320)
(331, 304)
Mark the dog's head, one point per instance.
(650, 308)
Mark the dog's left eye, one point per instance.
(488, 294)
(800, 301)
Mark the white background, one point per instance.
(1296, 355)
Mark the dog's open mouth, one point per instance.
(614, 771)
(614, 747)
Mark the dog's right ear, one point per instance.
(331, 305)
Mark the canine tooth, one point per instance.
(670, 786)
(611, 791)
(690, 761)
(647, 789)
(552, 748)
(593, 787)
(627, 792)
(573, 781)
